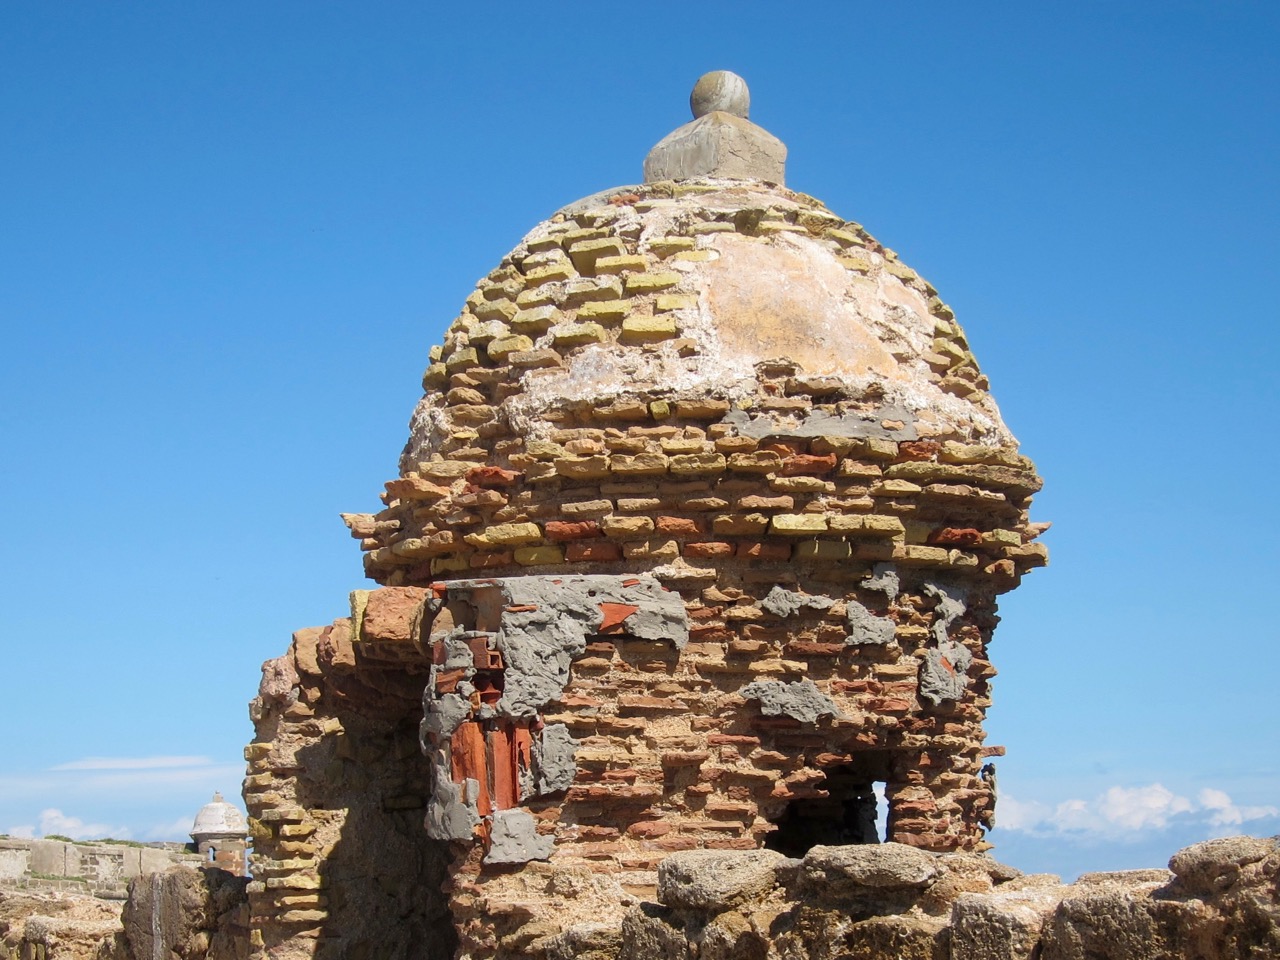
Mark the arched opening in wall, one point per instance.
(849, 809)
(213, 853)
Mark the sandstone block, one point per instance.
(840, 871)
(716, 880)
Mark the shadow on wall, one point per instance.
(384, 876)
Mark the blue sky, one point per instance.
(231, 232)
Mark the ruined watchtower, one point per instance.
(696, 543)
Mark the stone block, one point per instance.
(714, 881)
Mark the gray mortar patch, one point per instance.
(553, 759)
(884, 578)
(819, 423)
(452, 812)
(943, 673)
(951, 606)
(538, 645)
(800, 700)
(783, 603)
(866, 627)
(514, 839)
(441, 716)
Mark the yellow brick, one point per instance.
(534, 320)
(697, 256)
(536, 297)
(613, 265)
(822, 550)
(500, 348)
(655, 549)
(587, 253)
(626, 528)
(861, 264)
(674, 301)
(697, 464)
(583, 468)
(640, 465)
(536, 556)
(575, 334)
(449, 565)
(878, 527)
(651, 282)
(793, 524)
(845, 238)
(608, 310)
(505, 535)
(502, 310)
(739, 524)
(659, 409)
(665, 246)
(647, 329)
(550, 274)
(894, 488)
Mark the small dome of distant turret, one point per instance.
(218, 818)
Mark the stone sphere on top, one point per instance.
(720, 90)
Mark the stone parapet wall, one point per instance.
(101, 869)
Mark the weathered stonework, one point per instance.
(697, 537)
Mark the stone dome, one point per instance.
(738, 304)
(218, 818)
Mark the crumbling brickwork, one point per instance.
(696, 544)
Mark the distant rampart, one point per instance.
(101, 869)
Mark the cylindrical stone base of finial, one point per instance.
(720, 142)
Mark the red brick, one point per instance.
(708, 550)
(572, 530)
(918, 449)
(960, 536)
(764, 551)
(679, 526)
(588, 551)
(649, 829)
(808, 463)
(491, 476)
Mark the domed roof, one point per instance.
(217, 817)
(682, 289)
(668, 329)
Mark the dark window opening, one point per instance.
(852, 811)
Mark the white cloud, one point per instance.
(24, 831)
(1226, 816)
(53, 820)
(1126, 813)
(134, 763)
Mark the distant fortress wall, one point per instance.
(102, 869)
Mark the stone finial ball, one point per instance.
(720, 90)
